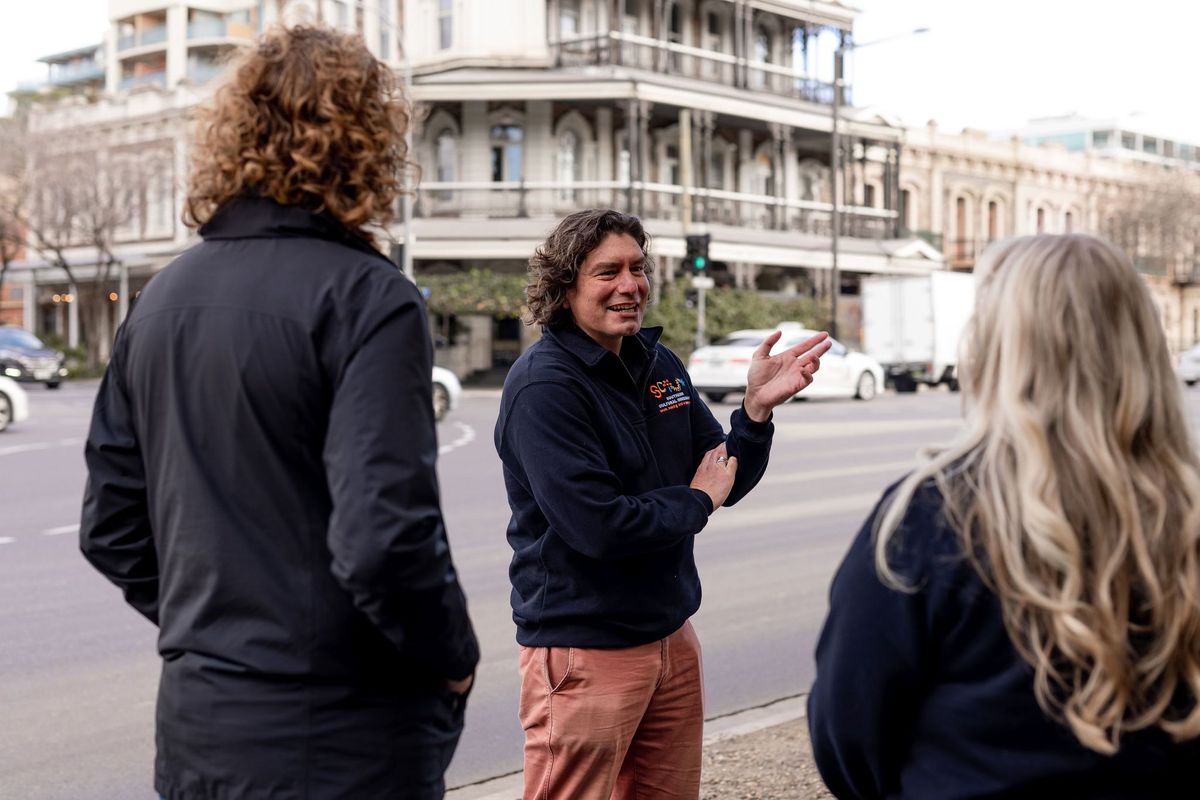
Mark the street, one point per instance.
(78, 669)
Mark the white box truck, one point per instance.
(912, 325)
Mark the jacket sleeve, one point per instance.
(114, 529)
(872, 659)
(389, 546)
(549, 433)
(748, 441)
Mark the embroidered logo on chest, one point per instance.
(670, 395)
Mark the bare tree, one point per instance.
(72, 201)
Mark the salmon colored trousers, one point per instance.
(620, 724)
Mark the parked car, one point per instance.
(720, 368)
(447, 391)
(1189, 366)
(14, 403)
(24, 357)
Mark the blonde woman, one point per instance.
(1020, 617)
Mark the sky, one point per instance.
(986, 64)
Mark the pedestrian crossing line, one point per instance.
(6, 540)
(803, 510)
(896, 467)
(862, 428)
(59, 531)
(32, 446)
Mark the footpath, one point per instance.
(760, 754)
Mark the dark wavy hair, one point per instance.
(307, 118)
(555, 263)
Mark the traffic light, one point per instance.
(697, 252)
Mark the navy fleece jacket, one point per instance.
(598, 452)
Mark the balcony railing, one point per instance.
(145, 79)
(207, 29)
(76, 73)
(508, 199)
(203, 71)
(143, 38)
(643, 52)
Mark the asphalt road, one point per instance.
(78, 669)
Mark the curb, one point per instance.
(716, 729)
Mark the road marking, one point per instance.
(799, 512)
(6, 540)
(466, 436)
(898, 467)
(61, 530)
(25, 448)
(864, 427)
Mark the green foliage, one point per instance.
(726, 310)
(478, 291)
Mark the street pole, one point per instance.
(835, 171)
(685, 209)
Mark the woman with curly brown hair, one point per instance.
(1020, 616)
(261, 458)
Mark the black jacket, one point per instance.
(923, 695)
(261, 485)
(598, 452)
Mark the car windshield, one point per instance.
(739, 341)
(15, 337)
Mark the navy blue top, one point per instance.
(923, 695)
(598, 452)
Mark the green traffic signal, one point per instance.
(700, 262)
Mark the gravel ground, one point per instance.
(772, 764)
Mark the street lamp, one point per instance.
(835, 168)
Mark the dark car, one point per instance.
(24, 357)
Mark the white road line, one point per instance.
(864, 427)
(26, 448)
(61, 530)
(6, 540)
(896, 467)
(466, 436)
(802, 511)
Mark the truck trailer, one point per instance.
(913, 325)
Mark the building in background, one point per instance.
(701, 116)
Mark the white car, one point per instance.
(1189, 366)
(721, 367)
(14, 403)
(447, 391)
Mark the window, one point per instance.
(762, 46)
(445, 24)
(713, 24)
(869, 196)
(507, 152)
(445, 162)
(993, 220)
(569, 164)
(1149, 145)
(1068, 222)
(568, 18)
(1128, 140)
(1041, 220)
(1101, 138)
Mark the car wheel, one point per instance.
(715, 397)
(1190, 383)
(866, 387)
(53, 384)
(6, 412)
(904, 384)
(441, 401)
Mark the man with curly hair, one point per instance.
(261, 458)
(613, 465)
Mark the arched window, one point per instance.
(445, 161)
(570, 164)
(906, 220)
(993, 220)
(568, 18)
(1041, 220)
(762, 54)
(1068, 222)
(445, 24)
(508, 154)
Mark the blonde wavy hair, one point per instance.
(1074, 487)
(307, 118)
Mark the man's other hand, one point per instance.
(715, 475)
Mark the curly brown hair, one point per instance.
(555, 264)
(307, 118)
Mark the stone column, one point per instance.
(707, 179)
(643, 149)
(476, 157)
(538, 155)
(176, 44)
(605, 164)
